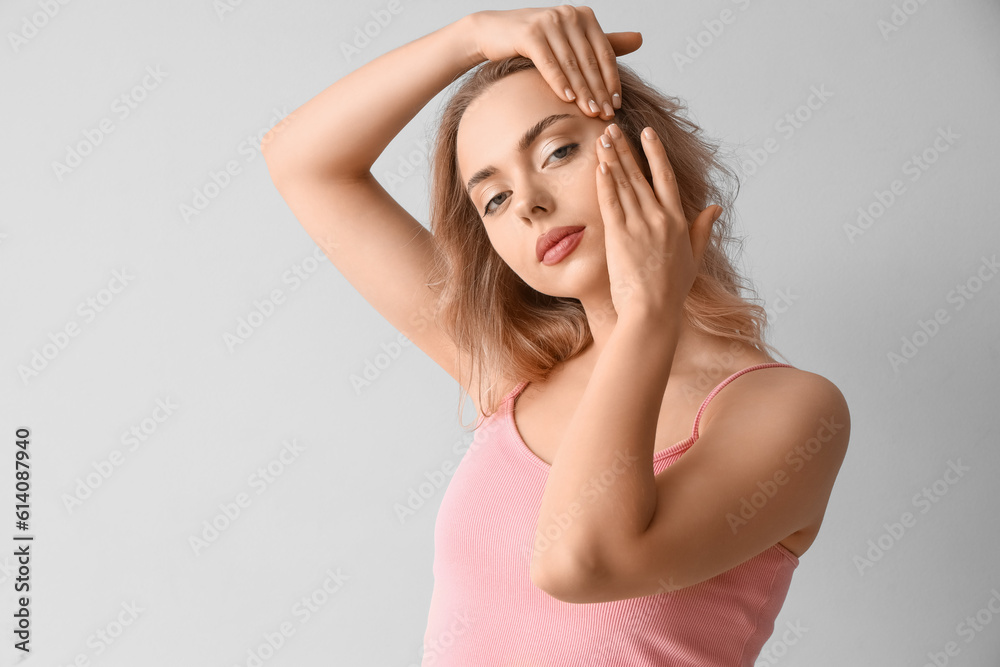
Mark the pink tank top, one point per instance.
(485, 611)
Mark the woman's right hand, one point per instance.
(567, 45)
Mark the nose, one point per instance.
(533, 199)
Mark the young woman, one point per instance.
(664, 474)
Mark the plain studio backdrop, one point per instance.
(224, 434)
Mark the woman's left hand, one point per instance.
(653, 253)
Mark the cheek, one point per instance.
(503, 245)
(578, 182)
(586, 187)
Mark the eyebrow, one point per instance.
(522, 145)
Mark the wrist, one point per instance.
(465, 30)
(657, 335)
(649, 343)
(653, 321)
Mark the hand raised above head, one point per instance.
(567, 45)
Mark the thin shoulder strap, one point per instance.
(721, 385)
(514, 392)
(511, 395)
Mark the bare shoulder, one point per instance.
(781, 395)
(785, 420)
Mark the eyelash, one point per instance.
(572, 149)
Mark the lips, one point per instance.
(552, 237)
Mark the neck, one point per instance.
(695, 351)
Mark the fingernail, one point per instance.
(616, 99)
(608, 110)
(614, 131)
(718, 212)
(648, 133)
(594, 107)
(604, 141)
(570, 94)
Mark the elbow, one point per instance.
(271, 149)
(561, 587)
(266, 142)
(279, 166)
(267, 152)
(267, 148)
(566, 579)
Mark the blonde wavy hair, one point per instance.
(512, 332)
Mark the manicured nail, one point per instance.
(604, 141)
(604, 167)
(570, 94)
(648, 133)
(594, 107)
(614, 131)
(616, 99)
(608, 111)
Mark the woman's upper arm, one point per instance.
(381, 250)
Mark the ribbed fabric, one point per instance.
(485, 612)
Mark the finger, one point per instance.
(624, 42)
(626, 197)
(607, 198)
(701, 231)
(605, 54)
(569, 65)
(643, 192)
(601, 98)
(549, 67)
(664, 180)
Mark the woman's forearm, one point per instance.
(611, 436)
(341, 131)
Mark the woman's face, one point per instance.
(550, 183)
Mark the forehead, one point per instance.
(494, 121)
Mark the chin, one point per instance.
(575, 283)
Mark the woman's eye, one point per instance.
(489, 211)
(560, 153)
(568, 147)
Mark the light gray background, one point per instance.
(840, 306)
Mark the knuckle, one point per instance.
(622, 181)
(571, 64)
(547, 63)
(552, 16)
(592, 61)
